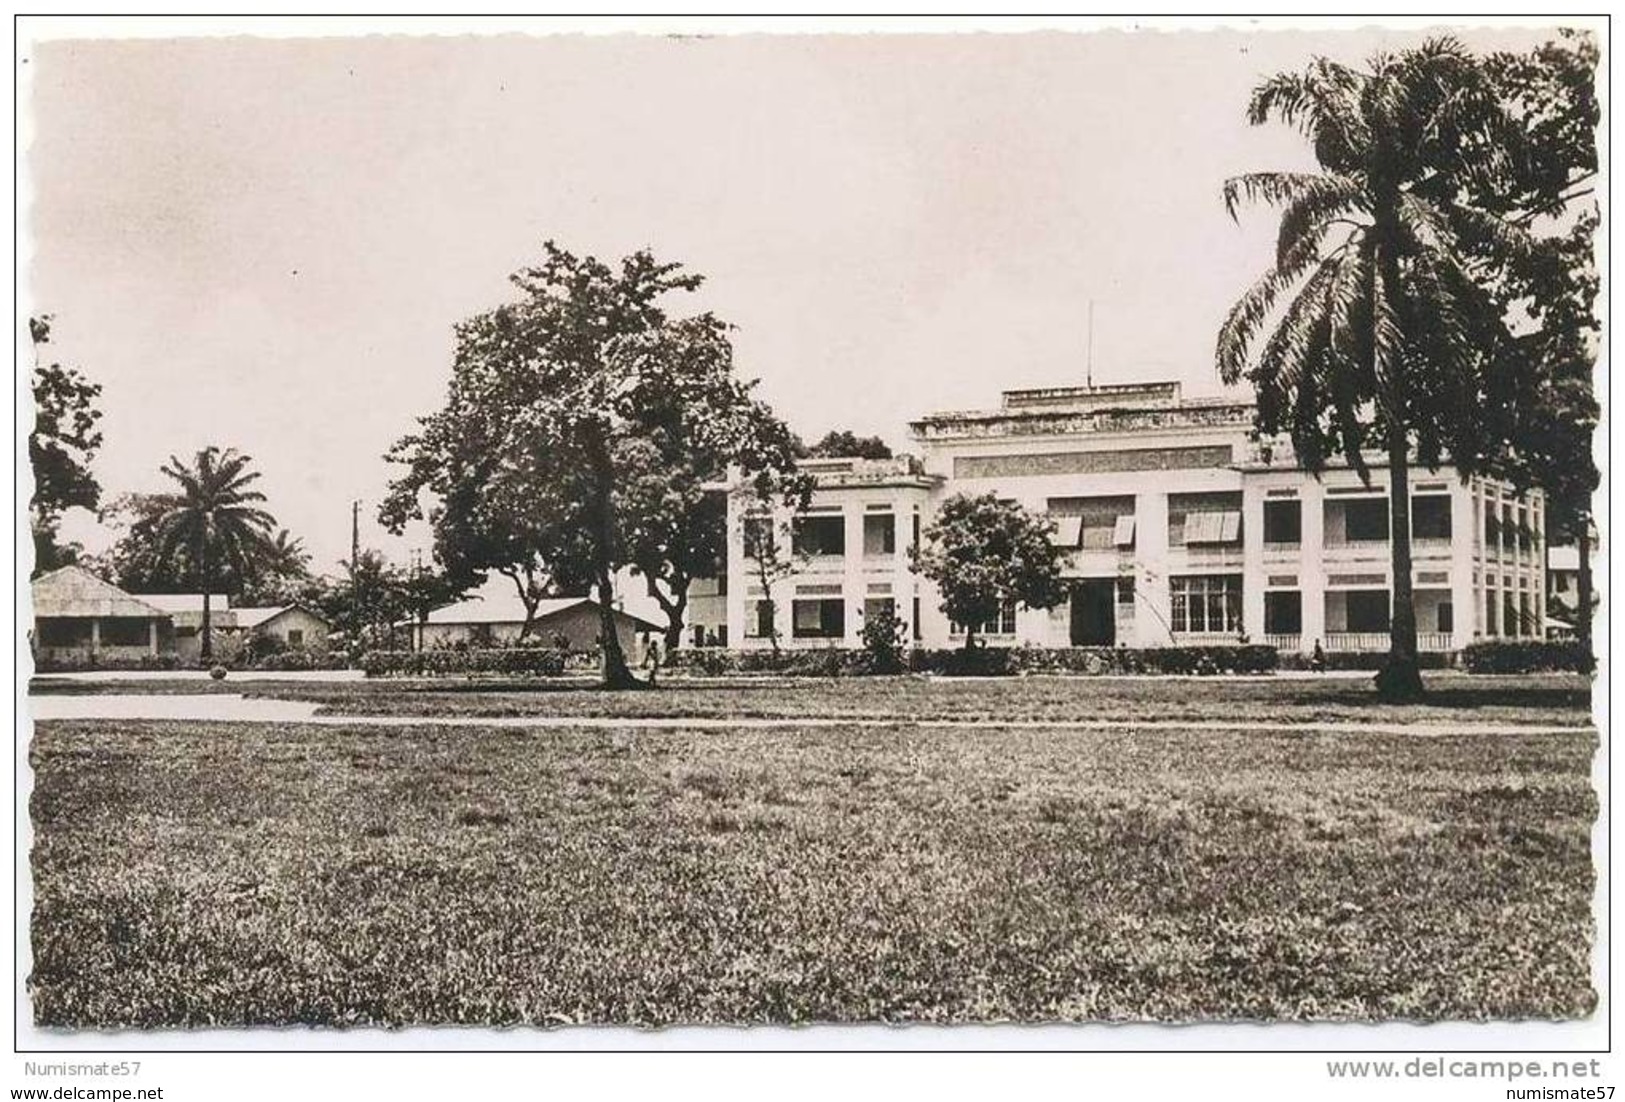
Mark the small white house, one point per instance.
(494, 620)
(297, 627)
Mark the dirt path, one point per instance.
(228, 708)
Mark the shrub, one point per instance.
(540, 661)
(301, 660)
(1366, 660)
(1527, 656)
(75, 665)
(986, 661)
(885, 637)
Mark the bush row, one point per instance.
(76, 665)
(1527, 656)
(541, 661)
(986, 661)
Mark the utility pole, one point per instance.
(1089, 353)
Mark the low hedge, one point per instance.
(985, 661)
(79, 665)
(1527, 656)
(299, 660)
(540, 661)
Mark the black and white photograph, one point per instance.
(1093, 534)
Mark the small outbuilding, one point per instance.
(494, 621)
(79, 618)
(297, 627)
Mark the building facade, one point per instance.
(1178, 528)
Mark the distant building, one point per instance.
(492, 620)
(78, 617)
(296, 626)
(1563, 583)
(186, 613)
(1178, 528)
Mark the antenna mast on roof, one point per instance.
(1089, 354)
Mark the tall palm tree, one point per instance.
(1370, 331)
(214, 521)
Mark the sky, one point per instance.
(265, 243)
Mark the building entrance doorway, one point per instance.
(1094, 612)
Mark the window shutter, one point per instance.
(1123, 533)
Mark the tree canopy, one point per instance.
(1379, 325)
(61, 447)
(843, 444)
(982, 552)
(582, 429)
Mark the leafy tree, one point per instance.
(60, 449)
(695, 422)
(281, 570)
(213, 524)
(366, 605)
(581, 426)
(981, 552)
(844, 444)
(492, 514)
(1387, 340)
(1549, 291)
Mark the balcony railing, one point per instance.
(1287, 644)
(1431, 642)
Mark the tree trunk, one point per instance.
(206, 647)
(1401, 678)
(1582, 596)
(616, 674)
(675, 607)
(970, 637)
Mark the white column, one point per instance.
(854, 581)
(95, 637)
(1152, 606)
(1312, 562)
(152, 636)
(1465, 607)
(1252, 562)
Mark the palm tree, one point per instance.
(214, 520)
(1379, 336)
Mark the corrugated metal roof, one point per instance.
(510, 610)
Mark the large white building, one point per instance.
(1180, 529)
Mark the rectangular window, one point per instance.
(1365, 520)
(1490, 606)
(1206, 604)
(917, 635)
(1447, 617)
(1283, 521)
(63, 631)
(1201, 518)
(1509, 527)
(124, 631)
(1509, 615)
(1092, 523)
(1125, 590)
(879, 534)
(916, 528)
(878, 606)
(1002, 624)
(296, 637)
(1283, 612)
(1367, 609)
(818, 619)
(1492, 527)
(1123, 533)
(1430, 517)
(819, 535)
(1068, 531)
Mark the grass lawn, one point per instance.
(1455, 698)
(193, 874)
